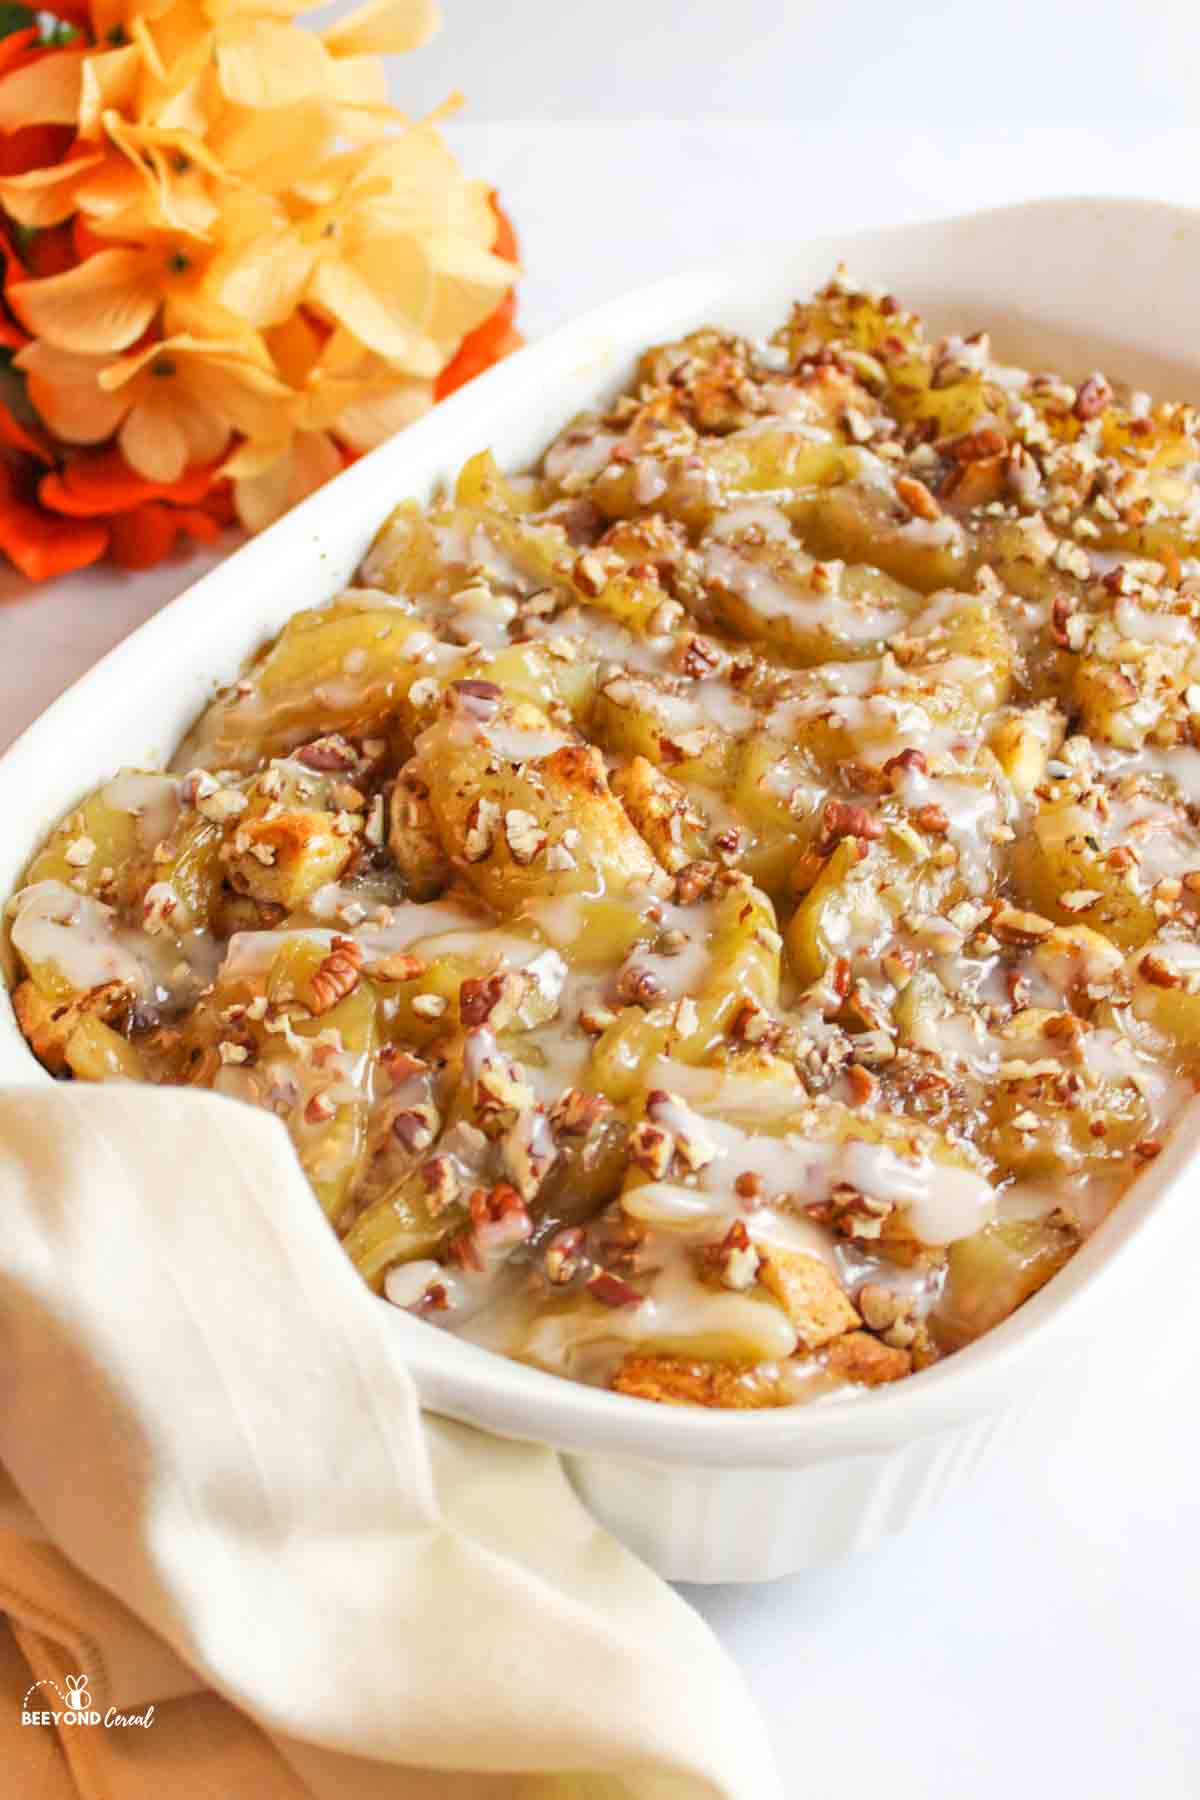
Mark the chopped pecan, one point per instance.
(576, 1112)
(563, 1257)
(638, 986)
(441, 1183)
(932, 818)
(910, 760)
(337, 975)
(1093, 396)
(481, 699)
(524, 834)
(851, 1212)
(889, 1314)
(695, 882)
(1061, 610)
(415, 1128)
(1020, 929)
(914, 495)
(735, 1262)
(483, 817)
(1158, 971)
(651, 1148)
(399, 965)
(975, 446)
(492, 999)
(610, 1290)
(400, 1065)
(330, 755)
(840, 819)
(529, 1152)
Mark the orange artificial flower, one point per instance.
(229, 267)
(40, 545)
(178, 401)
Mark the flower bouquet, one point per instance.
(229, 267)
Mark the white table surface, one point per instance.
(1041, 1638)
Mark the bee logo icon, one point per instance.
(78, 1696)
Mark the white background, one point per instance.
(1042, 1638)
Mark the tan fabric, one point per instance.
(321, 1591)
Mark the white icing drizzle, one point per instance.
(153, 799)
(78, 936)
(773, 597)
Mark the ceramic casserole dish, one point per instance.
(708, 1496)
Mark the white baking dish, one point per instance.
(1072, 284)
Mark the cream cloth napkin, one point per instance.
(224, 1500)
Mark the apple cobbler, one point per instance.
(717, 916)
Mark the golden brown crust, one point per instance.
(809, 1293)
(672, 1381)
(661, 812)
(286, 858)
(861, 1358)
(49, 1024)
(413, 840)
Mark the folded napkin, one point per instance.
(223, 1503)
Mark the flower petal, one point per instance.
(147, 47)
(506, 238)
(295, 346)
(113, 191)
(101, 481)
(190, 314)
(273, 149)
(50, 252)
(221, 10)
(383, 26)
(312, 459)
(206, 432)
(373, 420)
(41, 545)
(25, 434)
(184, 145)
(108, 80)
(43, 93)
(468, 286)
(261, 64)
(254, 402)
(246, 215)
(66, 393)
(359, 81)
(219, 379)
(152, 440)
(255, 456)
(171, 169)
(44, 197)
(34, 147)
(104, 304)
(248, 352)
(263, 497)
(325, 179)
(265, 281)
(191, 107)
(19, 47)
(349, 297)
(487, 344)
(143, 536)
(362, 111)
(415, 184)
